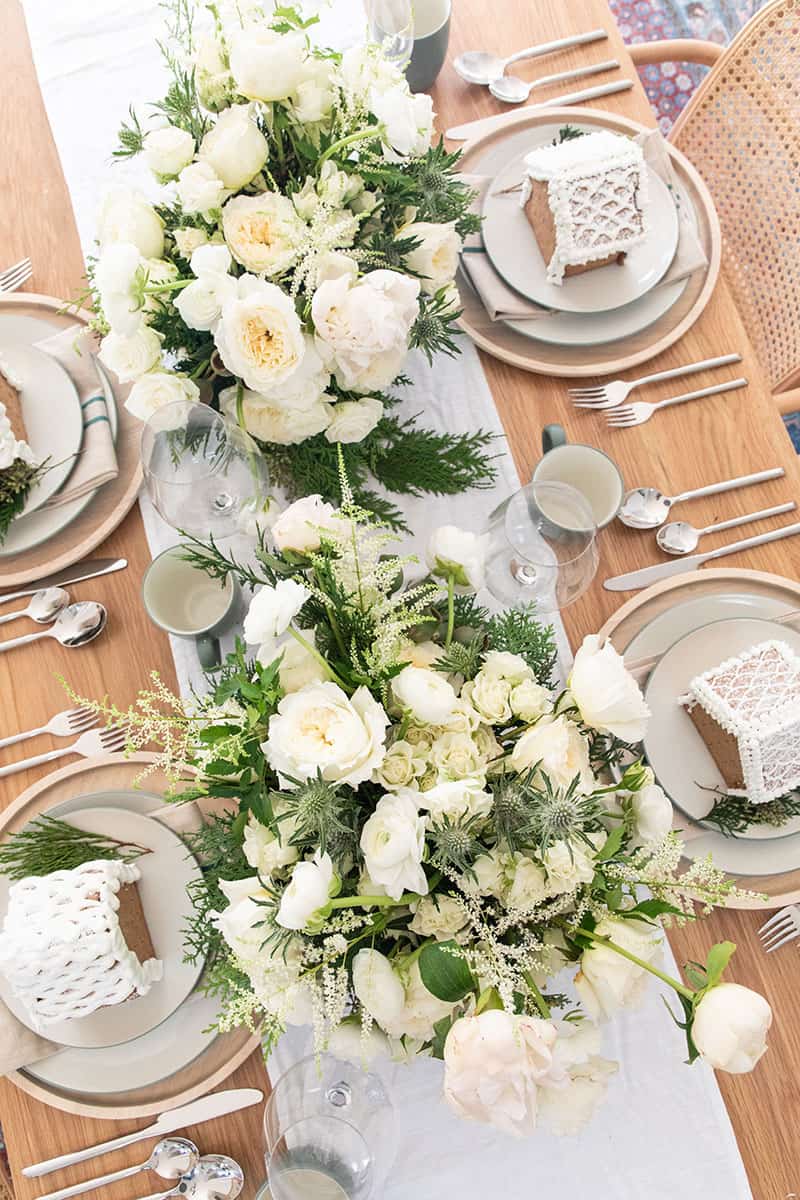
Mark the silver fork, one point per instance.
(96, 741)
(72, 720)
(639, 412)
(782, 927)
(14, 277)
(609, 395)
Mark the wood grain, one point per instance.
(715, 439)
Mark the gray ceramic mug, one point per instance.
(586, 468)
(431, 37)
(184, 601)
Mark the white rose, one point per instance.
(438, 916)
(561, 751)
(118, 276)
(529, 886)
(320, 729)
(200, 190)
(130, 357)
(606, 981)
(213, 79)
(730, 1027)
(421, 1009)
(392, 842)
(652, 811)
(167, 151)
(241, 923)
(235, 148)
(264, 232)
(365, 326)
(490, 696)
(265, 852)
(435, 260)
(268, 422)
(298, 666)
(352, 420)
(426, 694)
(608, 697)
(494, 1064)
(125, 216)
(188, 239)
(489, 871)
(456, 756)
(377, 986)
(456, 799)
(529, 701)
(300, 526)
(308, 891)
(157, 388)
(568, 865)
(266, 65)
(457, 552)
(259, 335)
(407, 122)
(312, 98)
(272, 610)
(401, 766)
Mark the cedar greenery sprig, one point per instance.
(48, 845)
(16, 482)
(734, 815)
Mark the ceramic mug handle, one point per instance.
(552, 436)
(208, 651)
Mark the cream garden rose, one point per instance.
(319, 729)
(235, 148)
(392, 842)
(435, 260)
(560, 749)
(155, 389)
(259, 335)
(167, 151)
(608, 697)
(263, 232)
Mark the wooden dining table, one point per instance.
(720, 438)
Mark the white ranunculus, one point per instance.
(130, 357)
(308, 891)
(265, 852)
(494, 1066)
(490, 696)
(320, 729)
(267, 65)
(312, 97)
(730, 1027)
(377, 986)
(298, 666)
(188, 239)
(118, 275)
(652, 812)
(421, 1009)
(435, 260)
(456, 799)
(167, 151)
(259, 335)
(426, 694)
(270, 422)
(201, 302)
(608, 697)
(364, 326)
(506, 665)
(352, 420)
(457, 552)
(392, 842)
(438, 916)
(606, 981)
(568, 865)
(561, 750)
(157, 388)
(272, 610)
(235, 147)
(528, 886)
(200, 189)
(264, 232)
(529, 701)
(213, 79)
(300, 526)
(125, 216)
(241, 923)
(406, 120)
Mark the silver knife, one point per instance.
(89, 569)
(218, 1104)
(461, 133)
(641, 579)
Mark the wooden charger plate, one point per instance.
(638, 612)
(110, 505)
(221, 1057)
(486, 155)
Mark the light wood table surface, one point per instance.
(718, 438)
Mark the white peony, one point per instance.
(266, 65)
(235, 148)
(652, 812)
(157, 388)
(606, 981)
(435, 260)
(126, 216)
(266, 852)
(309, 890)
(352, 420)
(200, 190)
(561, 751)
(364, 326)
(608, 697)
(299, 666)
(272, 610)
(406, 120)
(568, 865)
(392, 842)
(259, 335)
(730, 1027)
(426, 694)
(529, 885)
(438, 916)
(566, 1109)
(130, 357)
(300, 526)
(529, 701)
(263, 232)
(319, 729)
(270, 422)
(377, 986)
(167, 151)
(457, 552)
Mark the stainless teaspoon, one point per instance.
(647, 507)
(679, 537)
(478, 66)
(217, 1177)
(514, 90)
(76, 625)
(170, 1158)
(43, 606)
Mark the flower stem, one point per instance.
(451, 612)
(602, 941)
(174, 285)
(240, 404)
(373, 901)
(298, 637)
(539, 999)
(360, 135)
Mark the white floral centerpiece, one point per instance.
(417, 845)
(305, 238)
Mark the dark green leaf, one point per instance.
(445, 972)
(717, 960)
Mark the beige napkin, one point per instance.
(503, 303)
(74, 349)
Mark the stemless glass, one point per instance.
(203, 473)
(390, 23)
(329, 1132)
(542, 547)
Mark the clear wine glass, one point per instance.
(390, 23)
(329, 1132)
(203, 473)
(542, 547)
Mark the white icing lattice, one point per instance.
(62, 948)
(756, 698)
(597, 190)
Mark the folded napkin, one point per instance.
(503, 303)
(74, 349)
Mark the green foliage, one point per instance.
(48, 845)
(518, 631)
(530, 814)
(217, 845)
(455, 843)
(130, 136)
(733, 815)
(16, 482)
(321, 814)
(445, 972)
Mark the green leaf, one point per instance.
(445, 972)
(612, 844)
(652, 909)
(440, 1031)
(718, 958)
(490, 998)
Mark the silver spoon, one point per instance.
(43, 606)
(679, 537)
(217, 1177)
(170, 1158)
(514, 90)
(76, 625)
(478, 66)
(647, 507)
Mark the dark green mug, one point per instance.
(184, 601)
(587, 469)
(431, 38)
